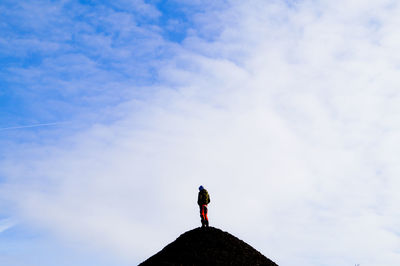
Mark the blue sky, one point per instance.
(112, 113)
(103, 43)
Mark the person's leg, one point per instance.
(202, 216)
(205, 216)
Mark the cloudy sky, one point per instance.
(112, 115)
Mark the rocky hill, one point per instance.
(210, 246)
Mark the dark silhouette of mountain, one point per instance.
(208, 246)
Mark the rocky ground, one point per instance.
(210, 246)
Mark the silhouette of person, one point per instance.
(203, 199)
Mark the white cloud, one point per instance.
(289, 118)
(6, 224)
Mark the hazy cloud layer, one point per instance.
(287, 113)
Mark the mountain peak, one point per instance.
(208, 246)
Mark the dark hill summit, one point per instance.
(209, 246)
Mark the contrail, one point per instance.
(35, 125)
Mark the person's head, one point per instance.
(201, 188)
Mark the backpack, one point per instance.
(204, 198)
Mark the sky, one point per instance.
(113, 114)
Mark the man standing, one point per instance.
(203, 199)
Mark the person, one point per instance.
(203, 199)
